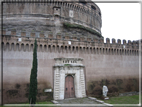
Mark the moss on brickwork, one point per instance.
(69, 25)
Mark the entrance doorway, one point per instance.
(69, 87)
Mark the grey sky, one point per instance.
(121, 20)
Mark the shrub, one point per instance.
(97, 90)
(112, 89)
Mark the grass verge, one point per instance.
(134, 99)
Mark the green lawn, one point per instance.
(134, 99)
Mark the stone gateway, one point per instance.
(69, 80)
(73, 60)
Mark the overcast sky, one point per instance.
(121, 20)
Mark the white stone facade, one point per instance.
(64, 67)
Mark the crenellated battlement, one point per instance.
(46, 42)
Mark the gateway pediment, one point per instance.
(69, 61)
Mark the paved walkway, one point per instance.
(78, 101)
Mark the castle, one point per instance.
(73, 60)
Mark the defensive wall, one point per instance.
(114, 63)
(63, 30)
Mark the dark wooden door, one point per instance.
(69, 87)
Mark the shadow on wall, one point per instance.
(114, 87)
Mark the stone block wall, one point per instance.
(82, 14)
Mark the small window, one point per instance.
(93, 7)
(99, 13)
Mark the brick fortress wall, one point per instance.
(109, 62)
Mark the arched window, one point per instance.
(103, 50)
(84, 49)
(12, 46)
(69, 48)
(73, 48)
(114, 51)
(53, 48)
(27, 47)
(49, 48)
(99, 13)
(93, 7)
(106, 51)
(90, 50)
(65, 48)
(17, 46)
(117, 52)
(22, 46)
(97, 51)
(32, 47)
(76, 49)
(7, 46)
(80, 49)
(100, 50)
(45, 48)
(94, 50)
(109, 51)
(61, 48)
(87, 51)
